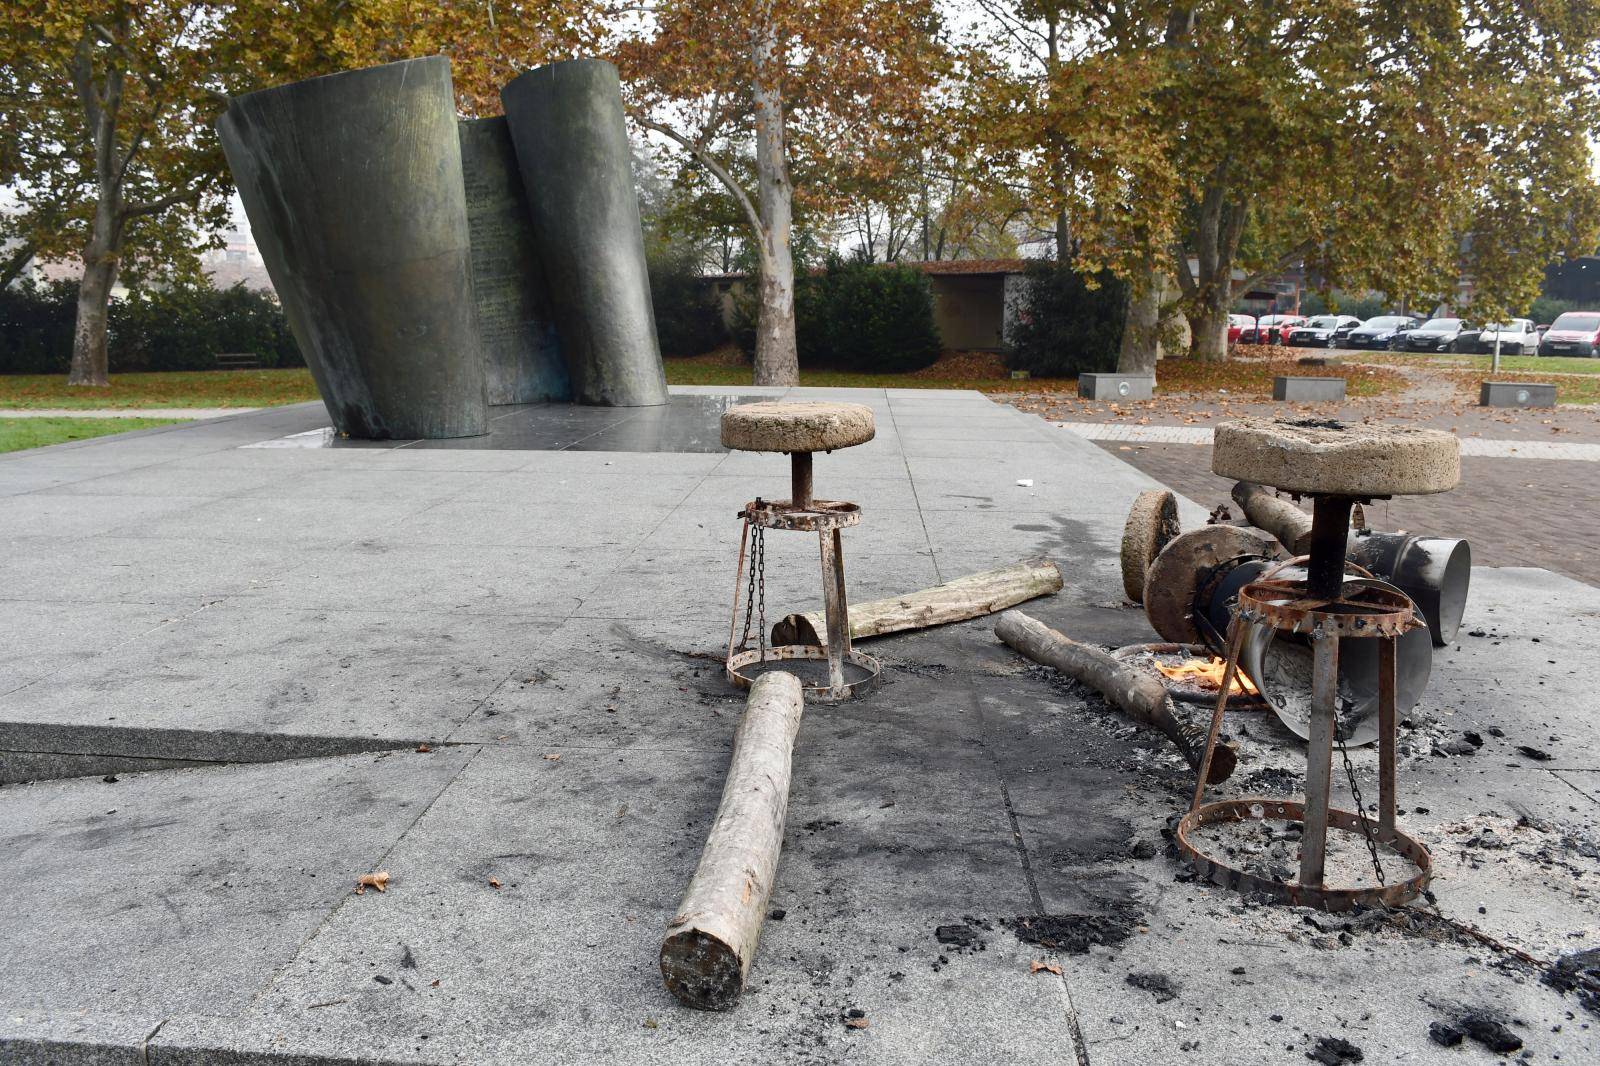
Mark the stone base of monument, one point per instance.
(1116, 386)
(1307, 390)
(1516, 394)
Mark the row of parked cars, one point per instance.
(1573, 333)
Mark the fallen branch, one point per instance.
(1275, 515)
(712, 939)
(954, 601)
(1137, 694)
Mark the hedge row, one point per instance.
(857, 316)
(1064, 323)
(171, 329)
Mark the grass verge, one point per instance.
(17, 434)
(177, 388)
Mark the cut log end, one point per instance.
(701, 970)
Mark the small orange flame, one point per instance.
(1208, 673)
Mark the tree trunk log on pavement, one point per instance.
(711, 941)
(954, 601)
(1275, 515)
(1137, 694)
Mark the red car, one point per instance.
(1237, 324)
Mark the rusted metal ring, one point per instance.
(821, 515)
(740, 661)
(1330, 899)
(1365, 608)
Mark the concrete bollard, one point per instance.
(1116, 386)
(1307, 390)
(1516, 394)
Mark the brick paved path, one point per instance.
(1515, 512)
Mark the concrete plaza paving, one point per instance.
(255, 642)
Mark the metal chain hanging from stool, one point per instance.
(755, 600)
(1355, 795)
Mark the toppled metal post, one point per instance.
(956, 600)
(711, 941)
(1138, 695)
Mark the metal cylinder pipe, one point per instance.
(521, 354)
(1435, 572)
(571, 139)
(352, 183)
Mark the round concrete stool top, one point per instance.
(1323, 457)
(796, 427)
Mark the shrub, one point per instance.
(688, 313)
(857, 316)
(36, 323)
(180, 328)
(185, 328)
(1061, 327)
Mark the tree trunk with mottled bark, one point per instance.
(777, 360)
(1141, 333)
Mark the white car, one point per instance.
(1517, 337)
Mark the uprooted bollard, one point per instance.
(711, 941)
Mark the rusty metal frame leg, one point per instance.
(834, 608)
(1319, 759)
(738, 585)
(1386, 736)
(1236, 630)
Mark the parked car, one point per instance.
(1434, 335)
(1574, 333)
(1268, 329)
(1379, 332)
(1323, 331)
(1237, 324)
(1278, 333)
(1516, 337)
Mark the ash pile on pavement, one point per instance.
(1270, 848)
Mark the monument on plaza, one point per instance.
(572, 145)
(521, 353)
(352, 184)
(430, 267)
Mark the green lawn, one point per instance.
(180, 388)
(1534, 364)
(19, 433)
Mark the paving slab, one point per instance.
(549, 620)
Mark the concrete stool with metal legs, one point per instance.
(799, 429)
(1337, 465)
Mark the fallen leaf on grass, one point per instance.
(379, 881)
(1035, 966)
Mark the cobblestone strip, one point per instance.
(1470, 446)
